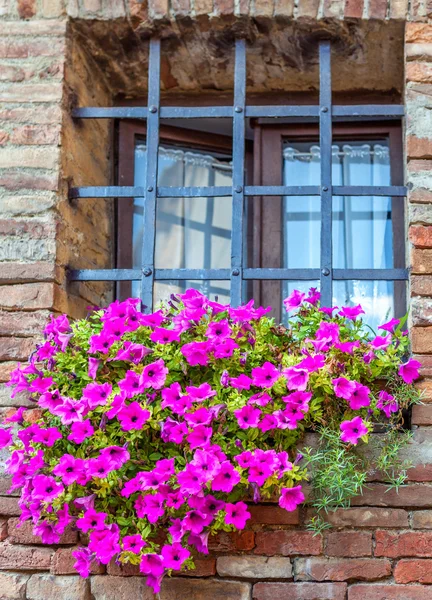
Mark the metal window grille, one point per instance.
(324, 113)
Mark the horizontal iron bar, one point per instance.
(224, 274)
(226, 191)
(206, 112)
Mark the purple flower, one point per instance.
(199, 437)
(226, 479)
(133, 543)
(154, 375)
(353, 430)
(70, 411)
(131, 385)
(225, 348)
(83, 561)
(96, 394)
(151, 564)
(347, 347)
(5, 438)
(150, 506)
(93, 365)
(133, 416)
(160, 335)
(387, 403)
(368, 357)
(328, 332)
(80, 431)
(265, 376)
(290, 498)
(174, 556)
(360, 397)
(195, 521)
(218, 330)
(268, 422)
(237, 514)
(92, 520)
(297, 378)
(248, 416)
(390, 326)
(242, 382)
(99, 467)
(409, 370)
(351, 312)
(294, 300)
(225, 379)
(69, 469)
(343, 388)
(380, 342)
(202, 416)
(196, 353)
(46, 488)
(313, 296)
(132, 352)
(192, 479)
(116, 455)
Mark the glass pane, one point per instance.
(192, 233)
(215, 290)
(376, 298)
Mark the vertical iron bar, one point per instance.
(238, 172)
(149, 216)
(325, 125)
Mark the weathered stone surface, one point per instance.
(204, 589)
(413, 571)
(63, 563)
(42, 587)
(24, 534)
(13, 586)
(26, 296)
(300, 591)
(422, 519)
(287, 543)
(369, 517)
(348, 543)
(342, 569)
(406, 543)
(272, 515)
(20, 399)
(254, 567)
(25, 558)
(389, 591)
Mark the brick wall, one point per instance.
(382, 546)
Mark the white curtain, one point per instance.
(362, 231)
(193, 233)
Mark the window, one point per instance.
(326, 204)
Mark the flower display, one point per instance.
(159, 430)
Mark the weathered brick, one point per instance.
(421, 285)
(204, 567)
(404, 543)
(3, 529)
(284, 8)
(178, 588)
(349, 543)
(422, 415)
(421, 472)
(420, 195)
(20, 399)
(24, 534)
(420, 236)
(63, 563)
(254, 567)
(41, 587)
(421, 311)
(14, 349)
(421, 339)
(263, 8)
(377, 9)
(308, 8)
(342, 569)
(424, 386)
(422, 519)
(53, 8)
(398, 9)
(388, 592)
(26, 272)
(22, 48)
(413, 571)
(287, 543)
(418, 71)
(35, 158)
(300, 591)
(419, 166)
(22, 323)
(35, 27)
(421, 261)
(353, 9)
(6, 369)
(419, 147)
(419, 33)
(27, 296)
(9, 506)
(272, 515)
(379, 494)
(26, 8)
(11, 73)
(13, 586)
(25, 558)
(368, 517)
(39, 135)
(34, 93)
(426, 362)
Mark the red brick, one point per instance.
(377, 9)
(421, 261)
(333, 9)
(26, 8)
(26, 272)
(6, 369)
(17, 180)
(422, 415)
(272, 515)
(422, 519)
(29, 296)
(419, 147)
(404, 543)
(299, 591)
(283, 8)
(32, 134)
(11, 73)
(230, 542)
(421, 236)
(349, 543)
(421, 472)
(9, 506)
(180, 7)
(24, 534)
(63, 563)
(421, 340)
(16, 349)
(420, 195)
(388, 592)
(224, 7)
(27, 49)
(22, 323)
(263, 8)
(158, 8)
(368, 517)
(122, 569)
(288, 543)
(418, 33)
(418, 71)
(25, 558)
(204, 567)
(342, 569)
(33, 415)
(3, 529)
(185, 588)
(244, 540)
(413, 571)
(379, 494)
(419, 166)
(421, 285)
(308, 8)
(354, 9)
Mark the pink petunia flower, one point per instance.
(46, 488)
(132, 352)
(226, 479)
(360, 397)
(343, 388)
(69, 469)
(297, 378)
(225, 348)
(242, 382)
(390, 326)
(380, 342)
(347, 347)
(96, 394)
(160, 335)
(80, 431)
(201, 392)
(268, 422)
(265, 376)
(248, 416)
(133, 416)
(237, 514)
(353, 430)
(199, 437)
(131, 385)
(409, 370)
(174, 556)
(196, 353)
(290, 498)
(154, 375)
(351, 312)
(218, 330)
(387, 403)
(133, 543)
(5, 438)
(294, 300)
